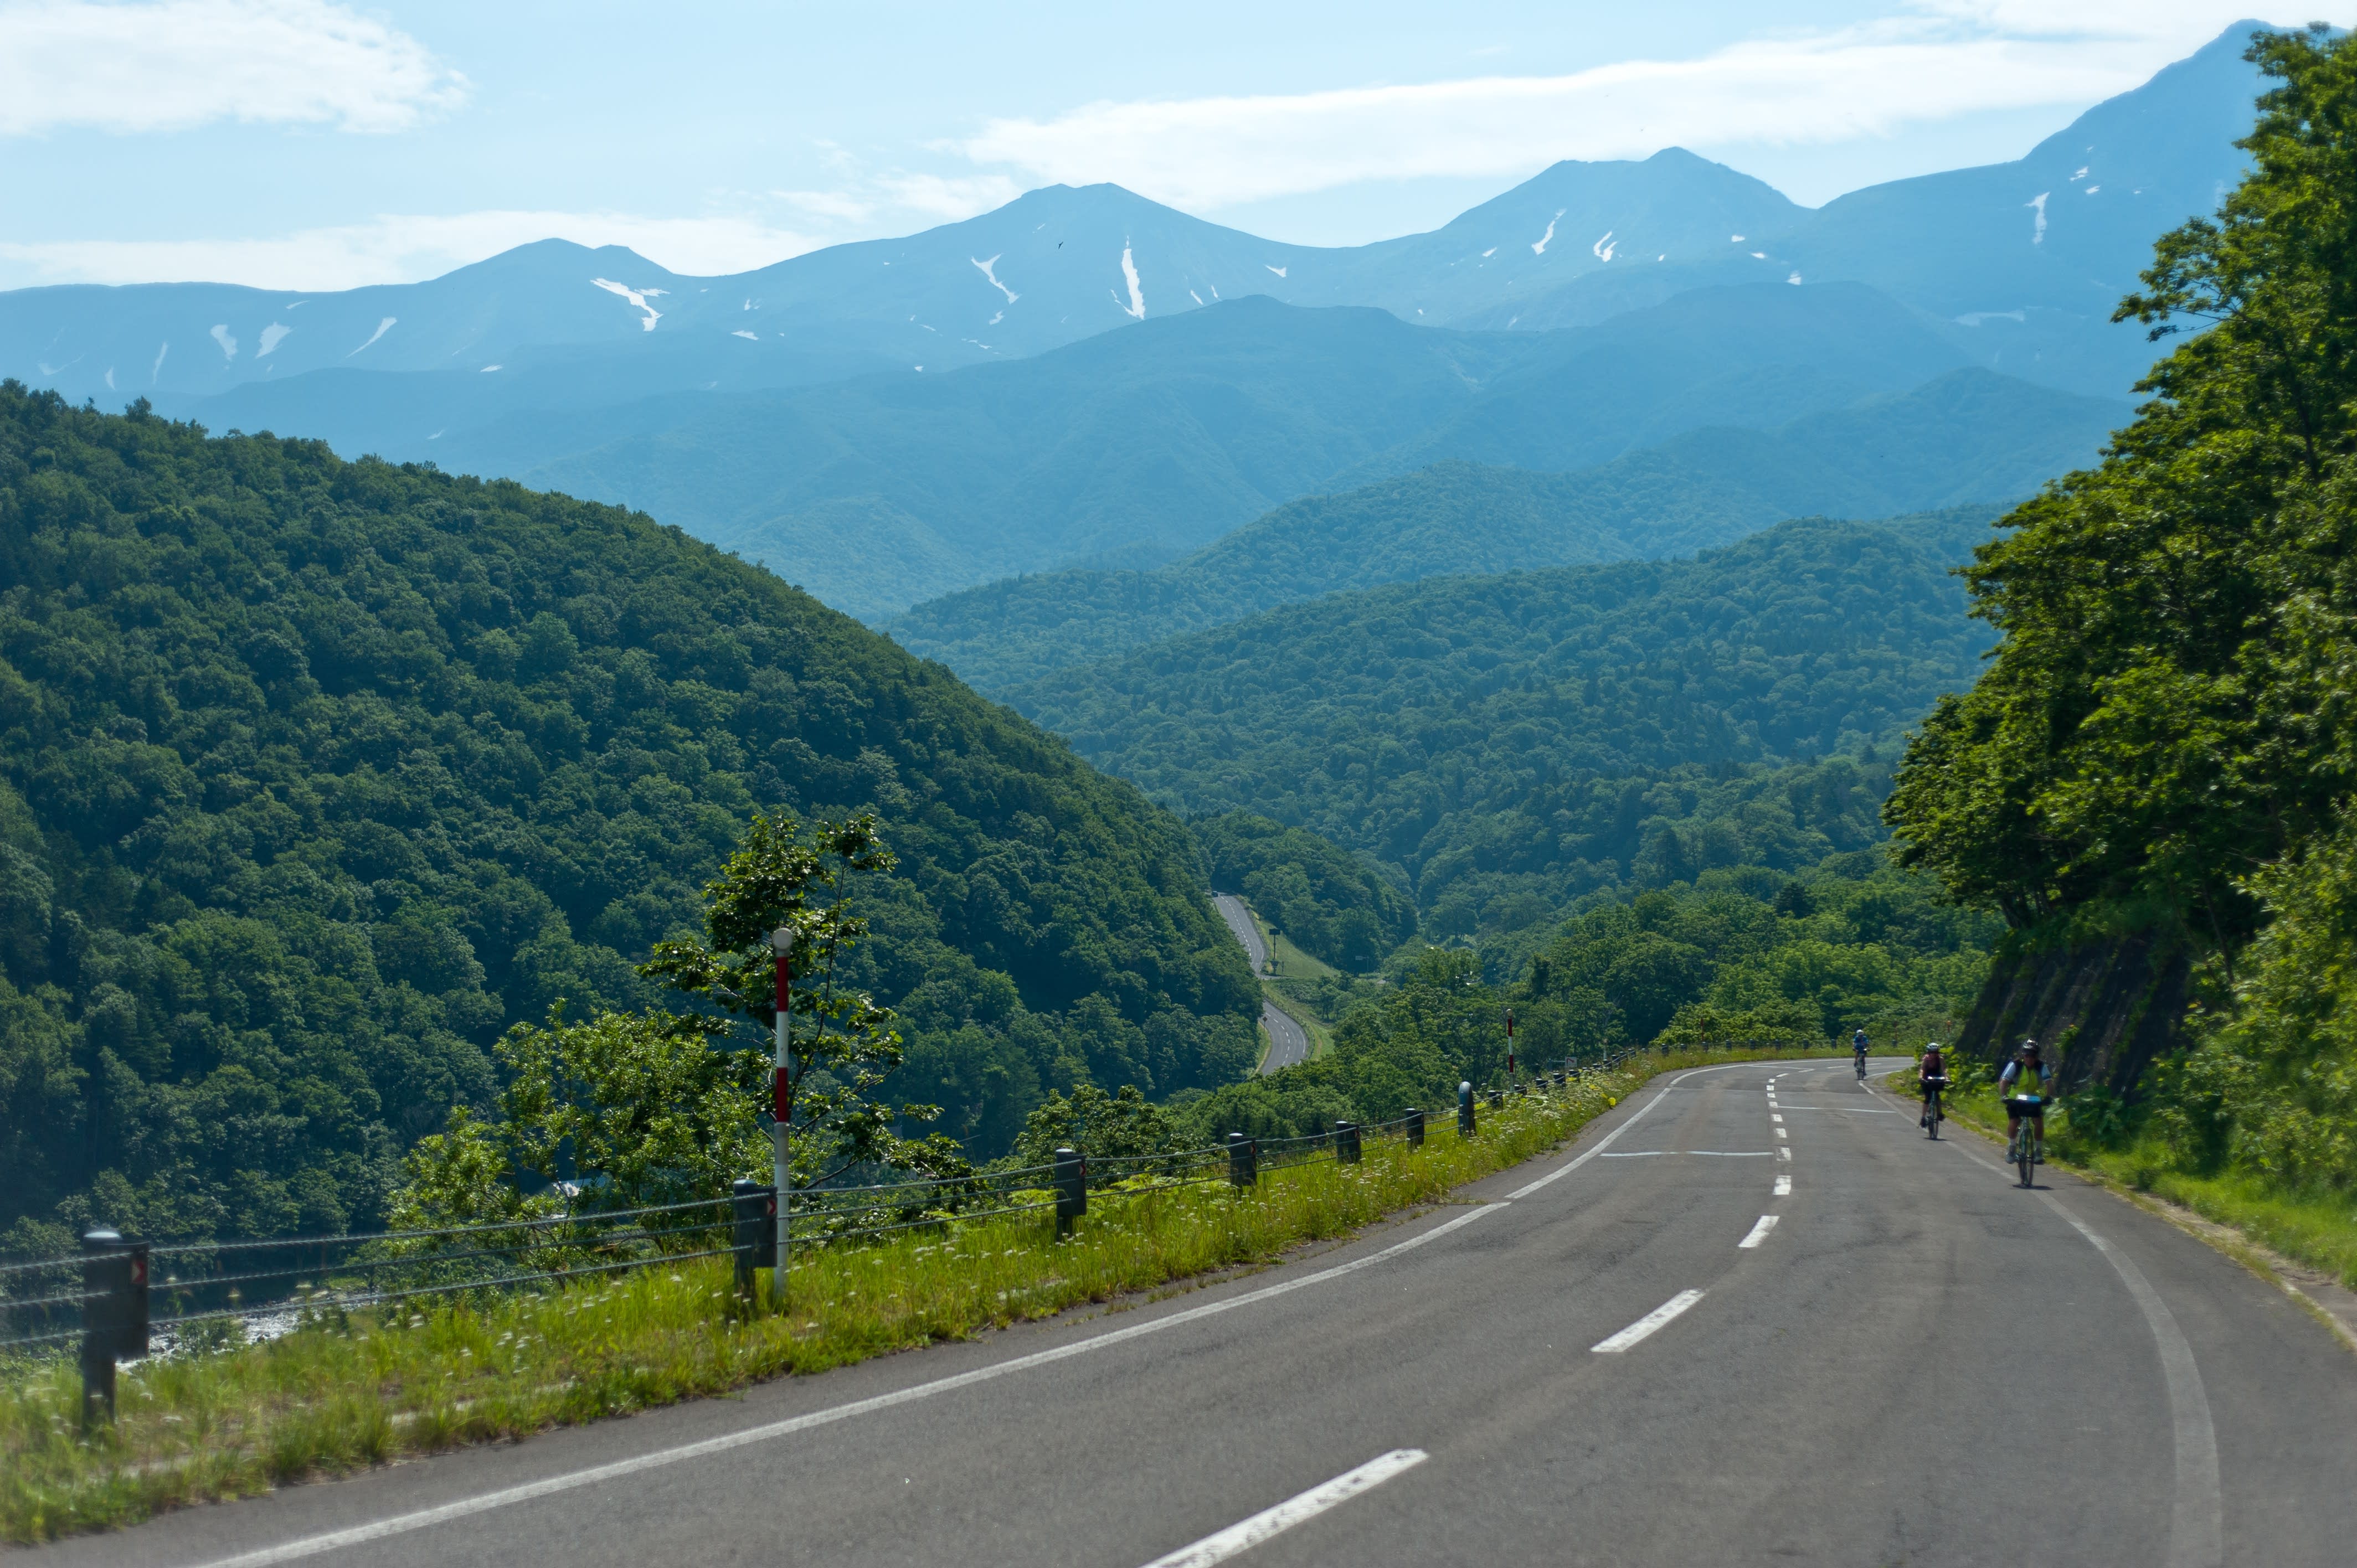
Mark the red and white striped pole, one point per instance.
(781, 1104)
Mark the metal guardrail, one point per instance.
(107, 1296)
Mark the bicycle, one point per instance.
(1931, 1112)
(1861, 1067)
(2028, 1149)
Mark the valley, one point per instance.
(630, 832)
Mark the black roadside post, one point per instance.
(1497, 1098)
(1415, 1129)
(1072, 1189)
(753, 1208)
(114, 1320)
(1243, 1160)
(1346, 1141)
(1465, 1109)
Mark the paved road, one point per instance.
(1240, 921)
(1920, 1363)
(1287, 1042)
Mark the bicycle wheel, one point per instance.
(2027, 1153)
(1932, 1118)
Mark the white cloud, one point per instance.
(1952, 57)
(394, 248)
(172, 64)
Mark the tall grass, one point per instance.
(349, 1389)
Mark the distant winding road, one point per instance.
(1287, 1043)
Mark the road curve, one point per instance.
(1287, 1042)
(1751, 1315)
(1240, 923)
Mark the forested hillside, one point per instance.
(315, 775)
(1511, 742)
(1964, 439)
(1327, 903)
(2154, 782)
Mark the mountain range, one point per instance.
(1086, 375)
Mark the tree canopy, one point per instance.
(315, 775)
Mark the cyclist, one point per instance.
(2026, 1074)
(1931, 1077)
(1858, 1049)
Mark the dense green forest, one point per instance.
(1511, 742)
(1327, 903)
(1967, 437)
(315, 775)
(2160, 756)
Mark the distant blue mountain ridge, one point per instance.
(1083, 374)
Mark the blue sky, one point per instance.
(314, 144)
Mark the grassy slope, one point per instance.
(351, 1391)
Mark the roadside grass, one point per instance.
(345, 1391)
(2315, 1228)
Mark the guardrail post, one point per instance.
(1415, 1128)
(753, 1213)
(114, 1325)
(1072, 1189)
(1465, 1109)
(1346, 1141)
(1243, 1160)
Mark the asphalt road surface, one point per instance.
(1753, 1315)
(1240, 921)
(1287, 1042)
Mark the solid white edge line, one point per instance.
(1758, 1232)
(401, 1524)
(2196, 1528)
(2196, 1504)
(1245, 1534)
(1660, 1317)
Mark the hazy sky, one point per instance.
(304, 143)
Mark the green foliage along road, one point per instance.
(1510, 743)
(315, 775)
(2160, 758)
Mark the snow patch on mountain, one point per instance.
(638, 298)
(1975, 317)
(1279, 270)
(272, 336)
(1794, 279)
(2038, 235)
(1193, 295)
(985, 269)
(383, 328)
(2091, 190)
(748, 337)
(1603, 248)
(157, 368)
(487, 369)
(228, 344)
(1487, 253)
(1538, 246)
(1136, 308)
